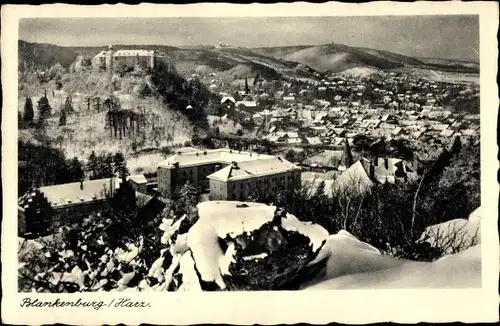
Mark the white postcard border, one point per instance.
(349, 306)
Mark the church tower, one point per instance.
(347, 159)
(247, 90)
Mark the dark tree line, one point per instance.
(179, 93)
(106, 166)
(42, 165)
(125, 123)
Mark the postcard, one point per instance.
(250, 163)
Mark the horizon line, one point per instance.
(254, 47)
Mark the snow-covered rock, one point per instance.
(347, 263)
(455, 235)
(249, 246)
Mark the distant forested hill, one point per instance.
(43, 56)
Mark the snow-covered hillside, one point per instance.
(218, 245)
(352, 264)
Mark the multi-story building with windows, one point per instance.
(106, 60)
(214, 168)
(264, 179)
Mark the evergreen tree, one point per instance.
(120, 165)
(457, 145)
(186, 200)
(347, 159)
(97, 103)
(107, 166)
(290, 155)
(144, 91)
(68, 105)
(76, 168)
(320, 191)
(124, 213)
(92, 165)
(28, 110)
(62, 118)
(59, 84)
(257, 79)
(44, 108)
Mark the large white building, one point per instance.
(228, 174)
(132, 58)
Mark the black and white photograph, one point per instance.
(280, 153)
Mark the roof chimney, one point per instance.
(81, 184)
(234, 164)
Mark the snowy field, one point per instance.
(352, 264)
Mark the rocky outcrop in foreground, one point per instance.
(243, 246)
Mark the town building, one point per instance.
(200, 167)
(42, 211)
(264, 178)
(46, 208)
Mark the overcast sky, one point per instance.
(454, 37)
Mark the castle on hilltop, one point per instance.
(105, 60)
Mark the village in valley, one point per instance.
(145, 165)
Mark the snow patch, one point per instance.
(315, 232)
(227, 259)
(190, 280)
(453, 235)
(353, 264)
(255, 257)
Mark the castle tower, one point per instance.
(109, 58)
(109, 66)
(152, 63)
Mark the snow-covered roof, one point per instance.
(72, 193)
(314, 140)
(355, 178)
(221, 155)
(129, 53)
(251, 169)
(247, 103)
(138, 178)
